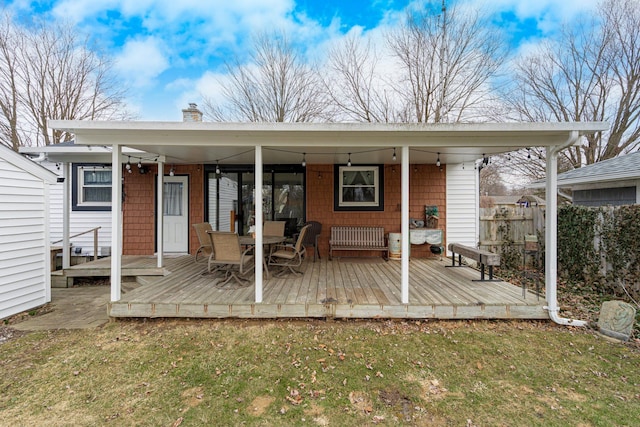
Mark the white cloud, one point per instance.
(141, 61)
(188, 39)
(548, 13)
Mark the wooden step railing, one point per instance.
(95, 240)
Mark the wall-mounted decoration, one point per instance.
(431, 216)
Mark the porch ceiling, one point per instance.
(327, 143)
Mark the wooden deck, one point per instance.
(344, 288)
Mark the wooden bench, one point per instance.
(484, 258)
(358, 239)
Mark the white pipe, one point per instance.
(551, 235)
(565, 195)
(41, 158)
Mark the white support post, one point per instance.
(66, 214)
(258, 222)
(551, 235)
(160, 219)
(405, 224)
(551, 230)
(116, 223)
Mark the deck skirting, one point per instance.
(324, 311)
(357, 289)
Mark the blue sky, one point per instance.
(170, 51)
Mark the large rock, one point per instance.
(617, 319)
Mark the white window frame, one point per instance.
(81, 186)
(355, 205)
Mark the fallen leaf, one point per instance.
(177, 422)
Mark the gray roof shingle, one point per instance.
(616, 169)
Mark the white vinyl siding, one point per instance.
(79, 221)
(462, 204)
(24, 244)
(228, 201)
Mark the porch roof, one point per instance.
(233, 143)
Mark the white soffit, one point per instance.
(204, 142)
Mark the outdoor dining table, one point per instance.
(266, 241)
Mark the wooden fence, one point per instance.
(501, 227)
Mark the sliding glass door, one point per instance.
(231, 197)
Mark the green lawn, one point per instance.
(317, 373)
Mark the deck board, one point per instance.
(340, 288)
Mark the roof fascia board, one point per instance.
(586, 127)
(89, 153)
(506, 135)
(587, 180)
(29, 166)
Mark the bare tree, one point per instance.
(491, 183)
(354, 84)
(276, 85)
(9, 102)
(590, 72)
(49, 73)
(446, 61)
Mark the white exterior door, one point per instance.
(175, 211)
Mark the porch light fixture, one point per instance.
(529, 153)
(128, 165)
(394, 157)
(304, 160)
(140, 164)
(349, 161)
(438, 161)
(172, 171)
(217, 167)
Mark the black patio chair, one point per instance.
(311, 237)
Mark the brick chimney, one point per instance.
(192, 114)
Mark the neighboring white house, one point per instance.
(25, 270)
